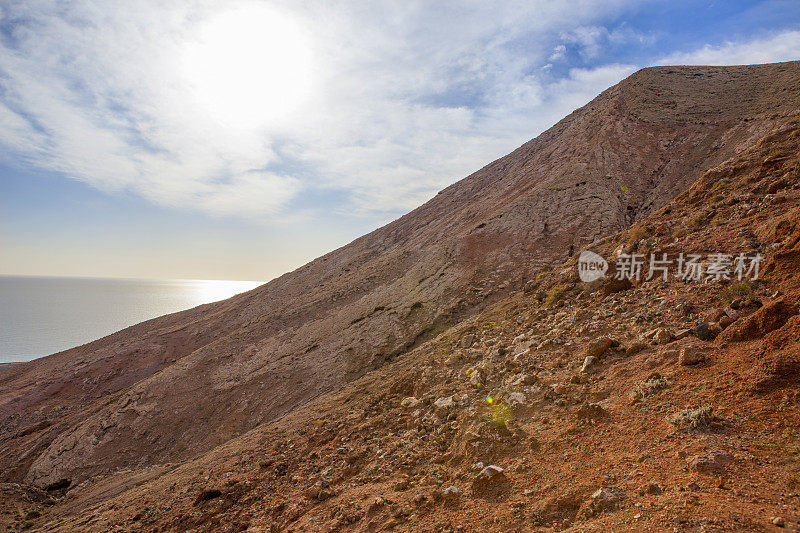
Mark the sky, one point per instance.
(241, 139)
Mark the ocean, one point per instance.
(41, 316)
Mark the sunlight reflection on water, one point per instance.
(40, 316)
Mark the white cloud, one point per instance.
(405, 97)
(781, 46)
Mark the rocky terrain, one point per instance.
(449, 371)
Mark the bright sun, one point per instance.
(249, 67)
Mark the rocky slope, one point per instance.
(647, 406)
(137, 402)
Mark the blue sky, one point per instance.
(239, 140)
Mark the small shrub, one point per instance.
(556, 293)
(694, 419)
(637, 233)
(679, 232)
(720, 184)
(696, 220)
(718, 220)
(736, 291)
(773, 154)
(654, 383)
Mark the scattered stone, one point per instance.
(716, 315)
(515, 398)
(444, 404)
(690, 356)
(663, 336)
(467, 341)
(320, 490)
(603, 499)
(703, 331)
(635, 348)
(652, 488)
(489, 472)
(714, 462)
(732, 313)
(598, 347)
(778, 521)
(588, 364)
(450, 492)
(402, 485)
(592, 411)
(410, 402)
(682, 334)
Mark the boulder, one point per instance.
(613, 285)
(410, 402)
(703, 331)
(713, 462)
(598, 347)
(467, 341)
(592, 411)
(491, 483)
(445, 403)
(663, 336)
(690, 356)
(635, 348)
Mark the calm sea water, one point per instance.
(40, 316)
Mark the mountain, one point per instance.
(187, 387)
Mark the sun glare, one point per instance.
(249, 67)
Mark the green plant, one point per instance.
(697, 220)
(556, 293)
(637, 233)
(771, 154)
(739, 290)
(720, 184)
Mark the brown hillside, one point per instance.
(664, 431)
(171, 388)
